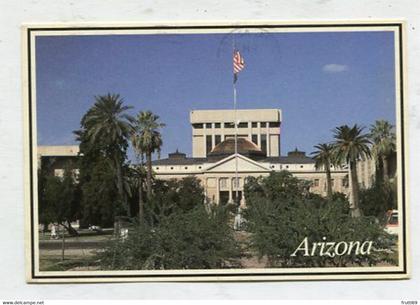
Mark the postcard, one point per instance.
(215, 151)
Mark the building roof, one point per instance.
(181, 159)
(58, 150)
(230, 115)
(289, 160)
(245, 148)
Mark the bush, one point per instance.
(195, 239)
(281, 214)
(378, 199)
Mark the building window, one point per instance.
(236, 182)
(243, 125)
(263, 124)
(287, 166)
(272, 166)
(216, 125)
(217, 139)
(332, 182)
(264, 143)
(274, 124)
(223, 183)
(345, 182)
(254, 124)
(172, 167)
(199, 167)
(301, 166)
(208, 125)
(255, 139)
(157, 168)
(229, 125)
(208, 144)
(229, 136)
(316, 182)
(186, 167)
(197, 126)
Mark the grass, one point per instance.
(83, 235)
(56, 264)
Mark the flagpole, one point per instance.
(236, 131)
(236, 143)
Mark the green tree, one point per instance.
(100, 194)
(350, 145)
(379, 198)
(137, 180)
(383, 138)
(103, 138)
(173, 196)
(146, 139)
(60, 200)
(324, 158)
(179, 232)
(278, 224)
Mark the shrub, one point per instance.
(378, 199)
(281, 214)
(197, 238)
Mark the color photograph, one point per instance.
(215, 152)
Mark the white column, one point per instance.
(217, 191)
(222, 131)
(230, 185)
(205, 139)
(267, 132)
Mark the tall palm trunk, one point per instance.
(355, 211)
(149, 174)
(141, 204)
(121, 192)
(140, 177)
(329, 182)
(385, 168)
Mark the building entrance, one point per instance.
(239, 197)
(224, 197)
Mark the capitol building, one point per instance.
(216, 163)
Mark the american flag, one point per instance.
(238, 64)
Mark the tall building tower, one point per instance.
(211, 127)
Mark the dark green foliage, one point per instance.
(193, 239)
(173, 196)
(100, 202)
(59, 199)
(280, 185)
(281, 213)
(379, 198)
(179, 232)
(103, 137)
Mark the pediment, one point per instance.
(245, 164)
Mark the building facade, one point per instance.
(55, 159)
(259, 126)
(214, 160)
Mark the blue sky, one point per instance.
(318, 80)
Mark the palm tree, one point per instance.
(351, 145)
(138, 173)
(323, 157)
(146, 139)
(107, 127)
(383, 138)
